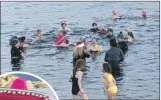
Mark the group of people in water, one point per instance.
(118, 43)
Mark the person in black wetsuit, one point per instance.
(16, 53)
(114, 55)
(121, 43)
(95, 28)
(76, 78)
(123, 46)
(80, 53)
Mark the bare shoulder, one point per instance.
(105, 75)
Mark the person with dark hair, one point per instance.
(123, 46)
(130, 37)
(109, 82)
(110, 34)
(23, 44)
(16, 52)
(94, 28)
(114, 55)
(76, 79)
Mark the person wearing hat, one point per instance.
(113, 56)
(79, 53)
(16, 52)
(64, 28)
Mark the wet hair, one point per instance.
(80, 63)
(110, 30)
(113, 42)
(131, 34)
(94, 24)
(120, 35)
(22, 39)
(107, 68)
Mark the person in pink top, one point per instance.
(144, 14)
(19, 83)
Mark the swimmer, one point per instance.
(130, 36)
(39, 35)
(64, 27)
(102, 29)
(76, 78)
(23, 43)
(144, 13)
(94, 28)
(109, 82)
(94, 47)
(120, 36)
(16, 52)
(11, 40)
(110, 34)
(114, 15)
(80, 53)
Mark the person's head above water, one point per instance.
(22, 39)
(94, 25)
(114, 12)
(106, 68)
(63, 24)
(80, 65)
(94, 41)
(38, 31)
(113, 42)
(15, 42)
(130, 34)
(109, 32)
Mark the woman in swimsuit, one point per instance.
(80, 53)
(109, 82)
(94, 47)
(76, 78)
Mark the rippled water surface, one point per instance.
(140, 70)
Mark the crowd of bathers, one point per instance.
(119, 46)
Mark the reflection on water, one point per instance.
(139, 72)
